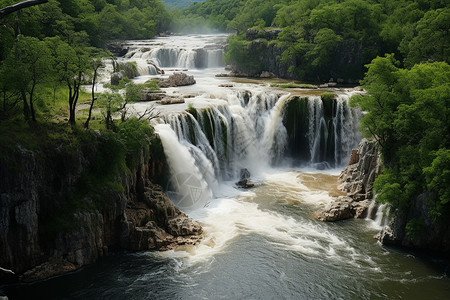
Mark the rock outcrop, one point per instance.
(343, 208)
(425, 234)
(364, 166)
(176, 79)
(171, 100)
(357, 181)
(46, 231)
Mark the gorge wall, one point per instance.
(46, 228)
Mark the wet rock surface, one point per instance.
(429, 235)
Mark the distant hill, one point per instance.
(180, 3)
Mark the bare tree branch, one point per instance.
(149, 114)
(18, 6)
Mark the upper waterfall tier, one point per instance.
(186, 52)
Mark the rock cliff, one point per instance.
(413, 228)
(357, 181)
(416, 229)
(46, 230)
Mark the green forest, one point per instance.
(400, 50)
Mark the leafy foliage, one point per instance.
(408, 114)
(323, 39)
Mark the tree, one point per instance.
(110, 103)
(408, 113)
(25, 68)
(432, 42)
(381, 101)
(71, 64)
(325, 44)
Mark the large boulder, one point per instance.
(343, 208)
(176, 79)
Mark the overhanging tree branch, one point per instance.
(18, 6)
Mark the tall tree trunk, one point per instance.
(33, 114)
(71, 100)
(86, 125)
(26, 109)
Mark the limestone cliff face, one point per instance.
(37, 240)
(364, 166)
(357, 181)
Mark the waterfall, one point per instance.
(320, 131)
(188, 187)
(250, 132)
(248, 126)
(346, 122)
(169, 57)
(231, 137)
(378, 213)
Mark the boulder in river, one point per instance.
(343, 208)
(171, 100)
(244, 179)
(176, 79)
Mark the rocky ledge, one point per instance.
(357, 181)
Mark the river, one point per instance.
(260, 243)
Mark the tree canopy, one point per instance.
(324, 39)
(408, 113)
